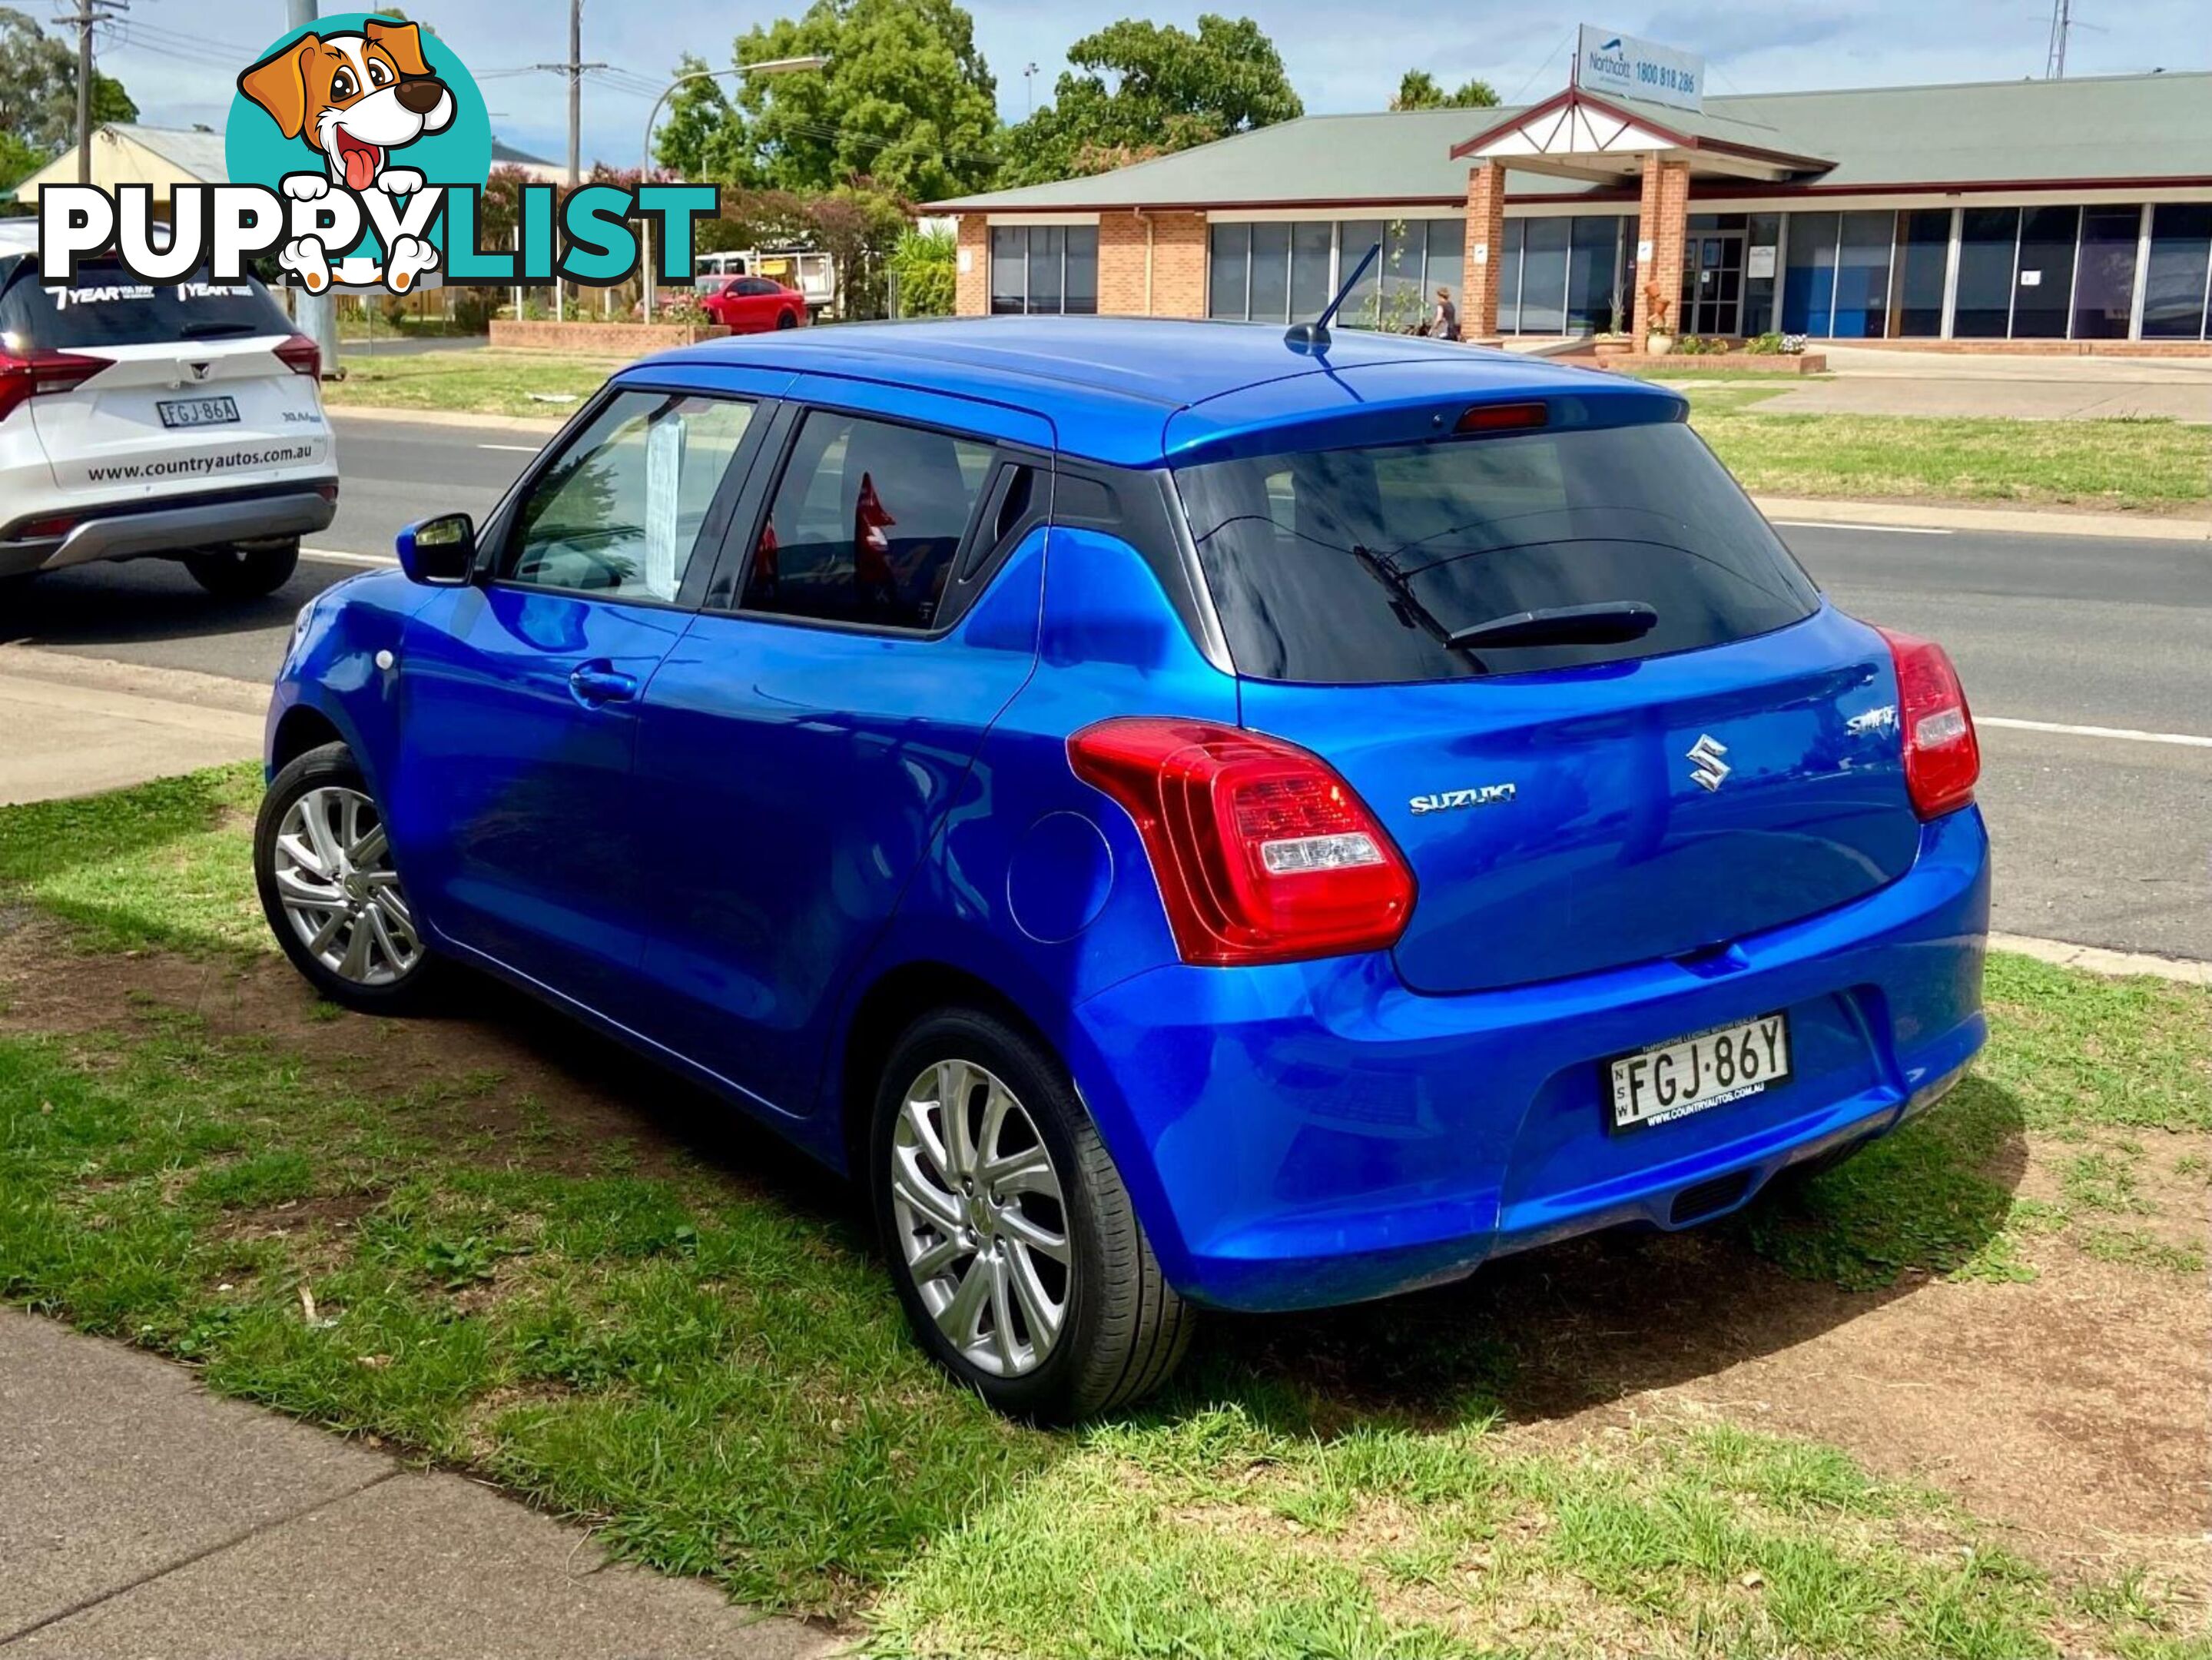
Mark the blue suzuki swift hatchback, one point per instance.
(1186, 818)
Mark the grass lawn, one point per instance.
(637, 1316)
(2152, 465)
(473, 380)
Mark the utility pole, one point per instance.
(576, 92)
(2062, 25)
(317, 314)
(87, 13)
(574, 70)
(1028, 86)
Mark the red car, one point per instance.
(753, 305)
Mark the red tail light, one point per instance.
(1263, 854)
(22, 379)
(1942, 757)
(302, 356)
(1502, 417)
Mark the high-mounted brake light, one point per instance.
(22, 379)
(1942, 756)
(1502, 417)
(1262, 853)
(301, 355)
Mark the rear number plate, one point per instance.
(1672, 1081)
(198, 411)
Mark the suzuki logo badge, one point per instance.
(1706, 766)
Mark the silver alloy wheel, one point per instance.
(333, 872)
(980, 1219)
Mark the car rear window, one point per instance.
(107, 306)
(1348, 566)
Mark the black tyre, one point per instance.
(1013, 1244)
(244, 573)
(323, 864)
(786, 320)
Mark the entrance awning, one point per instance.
(1580, 135)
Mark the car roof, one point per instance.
(1111, 385)
(19, 236)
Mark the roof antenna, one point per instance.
(1314, 336)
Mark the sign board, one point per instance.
(1629, 68)
(1762, 262)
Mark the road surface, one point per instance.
(2088, 662)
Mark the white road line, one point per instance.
(1832, 524)
(515, 449)
(332, 556)
(2190, 739)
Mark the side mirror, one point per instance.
(440, 552)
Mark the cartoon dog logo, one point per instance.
(356, 98)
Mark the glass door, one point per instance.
(1712, 282)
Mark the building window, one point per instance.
(1836, 283)
(1313, 253)
(1044, 269)
(1353, 238)
(1808, 277)
(1507, 255)
(1271, 274)
(2174, 295)
(2044, 279)
(1989, 244)
(2105, 273)
(1764, 231)
(1286, 271)
(1923, 259)
(1544, 277)
(1229, 271)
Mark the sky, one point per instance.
(180, 57)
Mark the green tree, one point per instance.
(905, 106)
(18, 160)
(1418, 90)
(38, 88)
(1137, 88)
(702, 136)
(926, 263)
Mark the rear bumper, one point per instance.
(1314, 1133)
(147, 528)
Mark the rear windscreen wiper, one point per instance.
(209, 331)
(1410, 609)
(1609, 623)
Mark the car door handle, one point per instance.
(597, 683)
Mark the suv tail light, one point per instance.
(22, 379)
(1262, 853)
(302, 356)
(1942, 757)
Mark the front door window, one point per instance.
(1712, 284)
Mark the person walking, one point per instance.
(1445, 325)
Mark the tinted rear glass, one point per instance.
(106, 307)
(1344, 566)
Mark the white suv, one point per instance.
(171, 421)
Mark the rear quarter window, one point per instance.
(1347, 566)
(108, 306)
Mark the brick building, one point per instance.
(1986, 213)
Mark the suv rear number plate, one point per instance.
(198, 411)
(1672, 1081)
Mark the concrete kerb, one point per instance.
(1998, 521)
